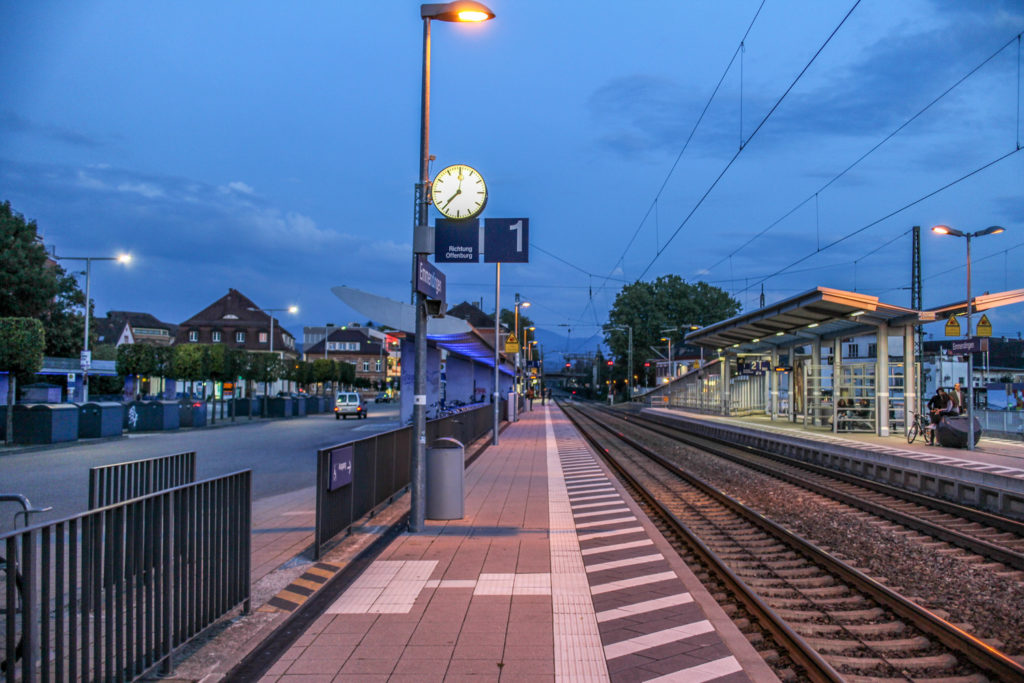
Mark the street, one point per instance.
(281, 454)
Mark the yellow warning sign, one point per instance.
(984, 327)
(952, 327)
(512, 344)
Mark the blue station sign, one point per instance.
(341, 468)
(430, 281)
(507, 240)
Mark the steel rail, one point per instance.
(817, 668)
(979, 546)
(980, 653)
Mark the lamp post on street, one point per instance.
(522, 342)
(269, 311)
(460, 10)
(969, 397)
(86, 359)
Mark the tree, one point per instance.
(345, 373)
(22, 341)
(323, 371)
(101, 384)
(187, 363)
(668, 302)
(136, 360)
(34, 286)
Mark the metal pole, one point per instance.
(418, 473)
(969, 394)
(516, 326)
(497, 341)
(629, 375)
(85, 371)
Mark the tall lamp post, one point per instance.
(946, 230)
(522, 344)
(269, 311)
(629, 372)
(86, 356)
(461, 10)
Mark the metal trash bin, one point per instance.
(446, 480)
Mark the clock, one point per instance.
(459, 192)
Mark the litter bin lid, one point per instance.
(447, 443)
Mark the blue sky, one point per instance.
(273, 147)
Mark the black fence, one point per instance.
(111, 593)
(355, 477)
(112, 484)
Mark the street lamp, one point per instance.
(629, 371)
(461, 10)
(946, 230)
(522, 342)
(268, 311)
(86, 359)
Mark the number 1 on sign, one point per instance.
(517, 227)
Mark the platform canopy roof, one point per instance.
(826, 314)
(822, 312)
(454, 334)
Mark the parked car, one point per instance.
(382, 397)
(349, 403)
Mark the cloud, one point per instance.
(147, 190)
(239, 187)
(16, 123)
(89, 182)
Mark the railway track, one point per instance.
(995, 538)
(831, 619)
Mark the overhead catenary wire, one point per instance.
(760, 125)
(707, 105)
(880, 143)
(889, 215)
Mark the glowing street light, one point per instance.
(86, 359)
(946, 230)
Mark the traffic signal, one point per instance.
(647, 365)
(611, 363)
(568, 365)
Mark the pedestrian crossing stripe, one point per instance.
(292, 596)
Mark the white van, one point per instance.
(349, 403)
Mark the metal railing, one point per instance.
(368, 472)
(110, 484)
(111, 593)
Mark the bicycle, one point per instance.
(9, 574)
(923, 426)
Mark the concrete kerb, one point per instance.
(237, 640)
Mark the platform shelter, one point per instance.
(786, 360)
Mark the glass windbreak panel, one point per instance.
(819, 393)
(897, 398)
(855, 408)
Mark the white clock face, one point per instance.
(459, 191)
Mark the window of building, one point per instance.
(263, 337)
(378, 366)
(216, 336)
(366, 366)
(193, 335)
(852, 350)
(872, 350)
(240, 337)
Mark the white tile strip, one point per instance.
(606, 522)
(386, 587)
(708, 671)
(630, 583)
(621, 508)
(605, 504)
(604, 534)
(495, 584)
(628, 562)
(579, 655)
(646, 642)
(603, 496)
(617, 546)
(644, 607)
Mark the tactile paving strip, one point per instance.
(650, 628)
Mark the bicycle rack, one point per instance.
(27, 508)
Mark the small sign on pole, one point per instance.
(511, 344)
(984, 327)
(952, 327)
(86, 359)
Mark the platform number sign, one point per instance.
(506, 240)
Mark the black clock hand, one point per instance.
(457, 193)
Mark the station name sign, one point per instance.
(972, 345)
(430, 281)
